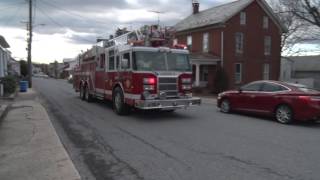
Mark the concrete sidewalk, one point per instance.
(29, 146)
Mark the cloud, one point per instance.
(74, 24)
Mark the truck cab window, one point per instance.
(127, 56)
(118, 62)
(102, 61)
(111, 63)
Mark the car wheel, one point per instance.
(225, 106)
(284, 114)
(119, 105)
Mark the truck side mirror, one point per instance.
(124, 64)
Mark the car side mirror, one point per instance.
(124, 64)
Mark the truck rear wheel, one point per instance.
(119, 105)
(81, 92)
(87, 95)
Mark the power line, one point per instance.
(78, 16)
(11, 6)
(34, 10)
(14, 15)
(60, 25)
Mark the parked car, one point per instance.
(284, 101)
(41, 75)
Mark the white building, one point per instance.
(286, 69)
(301, 69)
(5, 56)
(14, 67)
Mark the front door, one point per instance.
(247, 96)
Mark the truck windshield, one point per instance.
(149, 61)
(156, 61)
(178, 62)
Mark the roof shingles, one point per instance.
(3, 42)
(220, 14)
(212, 16)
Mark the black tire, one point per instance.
(118, 103)
(284, 114)
(169, 111)
(87, 96)
(81, 92)
(225, 106)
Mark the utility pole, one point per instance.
(30, 45)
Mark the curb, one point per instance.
(3, 111)
(11, 97)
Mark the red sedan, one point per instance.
(285, 101)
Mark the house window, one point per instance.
(238, 73)
(243, 18)
(267, 45)
(189, 42)
(265, 22)
(205, 42)
(266, 71)
(239, 43)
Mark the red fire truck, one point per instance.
(133, 71)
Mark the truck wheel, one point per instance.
(169, 111)
(81, 92)
(88, 96)
(119, 105)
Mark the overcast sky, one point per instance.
(73, 25)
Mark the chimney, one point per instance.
(195, 5)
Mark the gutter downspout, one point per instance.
(222, 48)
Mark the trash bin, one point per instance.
(23, 86)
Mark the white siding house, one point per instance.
(5, 56)
(301, 69)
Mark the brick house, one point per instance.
(243, 37)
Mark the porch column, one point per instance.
(197, 83)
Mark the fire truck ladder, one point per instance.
(124, 39)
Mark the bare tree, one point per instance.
(299, 29)
(306, 10)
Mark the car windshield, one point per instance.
(156, 61)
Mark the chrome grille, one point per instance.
(169, 85)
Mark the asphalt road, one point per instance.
(195, 144)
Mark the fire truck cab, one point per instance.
(136, 76)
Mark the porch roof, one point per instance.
(204, 59)
(3, 42)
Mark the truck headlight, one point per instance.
(148, 87)
(186, 87)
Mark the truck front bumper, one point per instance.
(167, 104)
